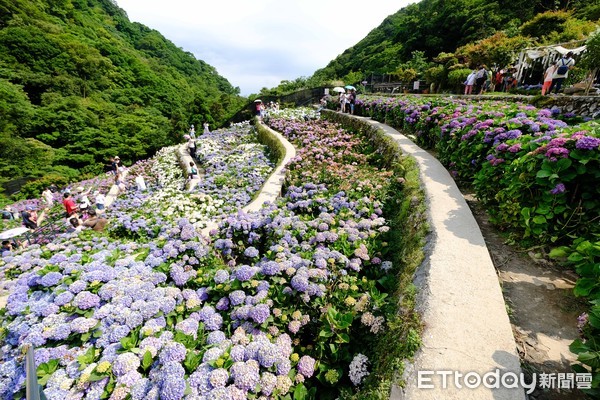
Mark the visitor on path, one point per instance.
(192, 148)
(322, 104)
(548, 76)
(70, 206)
(96, 223)
(121, 182)
(48, 197)
(206, 128)
(193, 174)
(29, 218)
(469, 82)
(480, 78)
(257, 107)
(114, 165)
(352, 100)
(562, 72)
(343, 101)
(99, 199)
(192, 132)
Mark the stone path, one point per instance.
(460, 301)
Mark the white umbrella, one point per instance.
(11, 233)
(338, 89)
(350, 87)
(258, 101)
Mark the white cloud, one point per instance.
(258, 43)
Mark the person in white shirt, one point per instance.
(48, 197)
(99, 199)
(470, 82)
(343, 101)
(562, 72)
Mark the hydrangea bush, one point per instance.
(287, 302)
(535, 170)
(235, 168)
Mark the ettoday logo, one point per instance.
(503, 379)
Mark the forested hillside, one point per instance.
(442, 26)
(79, 82)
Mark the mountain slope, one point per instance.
(86, 83)
(436, 26)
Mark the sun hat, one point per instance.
(80, 189)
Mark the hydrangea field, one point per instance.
(535, 170)
(295, 301)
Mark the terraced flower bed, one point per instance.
(235, 168)
(296, 301)
(536, 171)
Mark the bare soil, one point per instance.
(540, 302)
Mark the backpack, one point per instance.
(563, 69)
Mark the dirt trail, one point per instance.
(541, 305)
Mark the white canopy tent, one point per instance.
(547, 55)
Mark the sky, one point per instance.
(259, 43)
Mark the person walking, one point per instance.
(343, 101)
(480, 78)
(352, 100)
(548, 77)
(562, 72)
(193, 174)
(206, 129)
(469, 82)
(192, 148)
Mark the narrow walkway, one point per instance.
(460, 301)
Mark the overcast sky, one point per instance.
(259, 43)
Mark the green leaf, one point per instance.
(558, 252)
(147, 360)
(543, 173)
(539, 219)
(300, 392)
(584, 286)
(45, 370)
(97, 377)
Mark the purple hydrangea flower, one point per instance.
(51, 279)
(306, 366)
(172, 352)
(86, 300)
(260, 313)
(251, 252)
(558, 189)
(588, 143)
(221, 276)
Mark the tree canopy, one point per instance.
(79, 82)
(441, 26)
